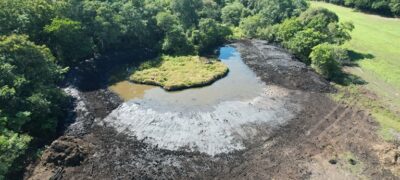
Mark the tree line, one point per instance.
(41, 39)
(383, 7)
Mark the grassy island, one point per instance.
(176, 73)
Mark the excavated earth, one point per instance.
(311, 142)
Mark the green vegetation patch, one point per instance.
(176, 73)
(375, 48)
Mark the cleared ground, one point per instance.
(176, 73)
(323, 139)
(375, 47)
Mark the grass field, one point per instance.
(376, 46)
(175, 73)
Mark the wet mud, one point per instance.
(300, 147)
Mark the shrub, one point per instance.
(326, 59)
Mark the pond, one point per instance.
(220, 118)
(241, 83)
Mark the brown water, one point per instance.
(240, 84)
(127, 90)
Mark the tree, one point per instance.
(326, 58)
(311, 28)
(339, 33)
(303, 42)
(318, 18)
(29, 98)
(26, 17)
(233, 12)
(69, 41)
(210, 34)
(175, 40)
(30, 102)
(187, 11)
(395, 7)
(275, 11)
(384, 7)
(12, 145)
(211, 9)
(288, 29)
(250, 25)
(166, 21)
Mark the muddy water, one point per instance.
(220, 118)
(128, 91)
(241, 83)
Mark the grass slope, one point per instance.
(376, 46)
(175, 73)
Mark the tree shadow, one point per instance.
(354, 57)
(99, 72)
(346, 79)
(357, 56)
(382, 12)
(123, 71)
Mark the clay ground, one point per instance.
(325, 140)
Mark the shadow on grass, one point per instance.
(346, 79)
(357, 56)
(379, 12)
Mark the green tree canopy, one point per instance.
(30, 102)
(311, 28)
(210, 34)
(26, 16)
(28, 92)
(69, 41)
(250, 25)
(233, 12)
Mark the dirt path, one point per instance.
(324, 140)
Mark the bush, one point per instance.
(303, 42)
(12, 145)
(326, 59)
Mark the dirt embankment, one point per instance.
(325, 140)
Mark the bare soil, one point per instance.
(310, 146)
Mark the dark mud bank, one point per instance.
(275, 65)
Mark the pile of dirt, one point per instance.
(389, 156)
(63, 153)
(302, 148)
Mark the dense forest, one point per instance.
(383, 7)
(40, 40)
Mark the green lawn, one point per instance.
(175, 73)
(376, 40)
